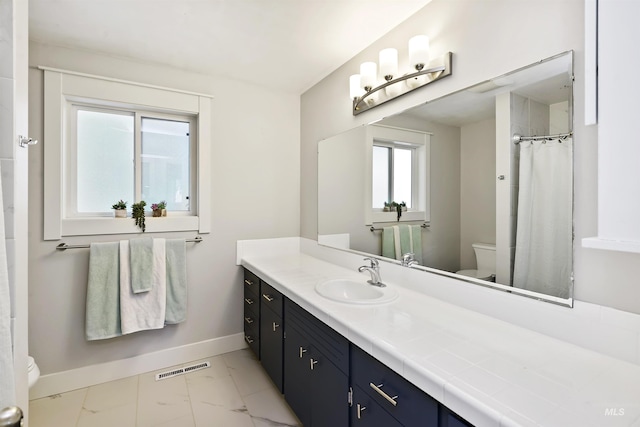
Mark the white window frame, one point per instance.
(420, 142)
(63, 89)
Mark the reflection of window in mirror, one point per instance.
(393, 173)
(397, 171)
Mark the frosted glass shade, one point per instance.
(368, 74)
(354, 86)
(388, 63)
(418, 51)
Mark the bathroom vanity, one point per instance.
(448, 365)
(325, 379)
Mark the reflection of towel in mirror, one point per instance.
(145, 310)
(103, 294)
(401, 239)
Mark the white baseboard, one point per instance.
(86, 376)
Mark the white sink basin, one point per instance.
(355, 292)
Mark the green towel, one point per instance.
(103, 292)
(405, 239)
(416, 236)
(388, 246)
(141, 253)
(176, 253)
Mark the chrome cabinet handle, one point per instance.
(248, 339)
(302, 351)
(378, 389)
(248, 301)
(248, 282)
(360, 409)
(249, 320)
(267, 297)
(313, 362)
(275, 325)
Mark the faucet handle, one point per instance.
(374, 262)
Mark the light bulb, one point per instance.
(419, 52)
(388, 63)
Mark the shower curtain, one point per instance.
(7, 386)
(543, 256)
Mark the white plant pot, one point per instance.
(120, 213)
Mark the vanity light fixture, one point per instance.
(367, 93)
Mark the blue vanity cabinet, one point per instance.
(271, 332)
(366, 412)
(316, 370)
(252, 311)
(450, 419)
(400, 399)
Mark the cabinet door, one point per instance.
(366, 412)
(271, 345)
(329, 392)
(297, 376)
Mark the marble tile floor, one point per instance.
(234, 392)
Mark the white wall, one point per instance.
(487, 39)
(478, 188)
(255, 193)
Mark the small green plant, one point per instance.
(160, 205)
(120, 205)
(395, 206)
(137, 212)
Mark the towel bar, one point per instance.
(63, 246)
(372, 228)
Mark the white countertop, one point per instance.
(490, 372)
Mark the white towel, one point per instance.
(143, 310)
(396, 241)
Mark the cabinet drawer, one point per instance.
(252, 337)
(251, 306)
(251, 284)
(366, 412)
(270, 297)
(330, 343)
(404, 401)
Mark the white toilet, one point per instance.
(486, 262)
(33, 371)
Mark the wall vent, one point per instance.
(182, 371)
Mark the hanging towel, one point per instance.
(145, 310)
(141, 264)
(103, 293)
(176, 310)
(416, 242)
(388, 243)
(403, 240)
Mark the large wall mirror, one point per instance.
(450, 182)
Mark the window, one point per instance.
(393, 170)
(398, 171)
(109, 140)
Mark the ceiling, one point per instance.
(282, 44)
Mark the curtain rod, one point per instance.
(372, 228)
(63, 246)
(519, 138)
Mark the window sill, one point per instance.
(97, 226)
(407, 216)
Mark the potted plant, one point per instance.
(159, 209)
(120, 209)
(137, 212)
(395, 207)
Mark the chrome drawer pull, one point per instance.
(248, 301)
(390, 399)
(313, 362)
(267, 297)
(302, 351)
(275, 325)
(360, 409)
(249, 320)
(248, 338)
(248, 282)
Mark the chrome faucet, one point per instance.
(374, 270)
(408, 260)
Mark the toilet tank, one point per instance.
(485, 256)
